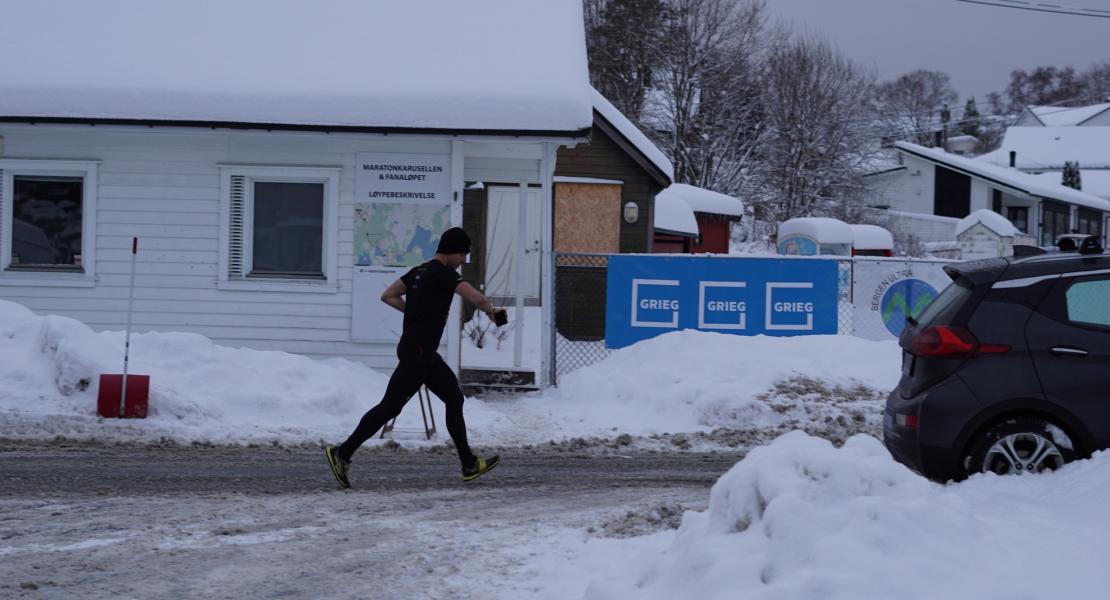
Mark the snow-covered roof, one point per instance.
(339, 63)
(871, 237)
(633, 134)
(705, 201)
(992, 220)
(821, 229)
(1049, 147)
(674, 215)
(1064, 116)
(1011, 178)
(1093, 182)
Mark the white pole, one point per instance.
(127, 338)
(521, 235)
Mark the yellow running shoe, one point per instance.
(480, 466)
(339, 467)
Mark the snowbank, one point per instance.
(199, 390)
(685, 381)
(802, 519)
(994, 221)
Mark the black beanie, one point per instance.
(454, 241)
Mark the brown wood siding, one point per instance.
(602, 158)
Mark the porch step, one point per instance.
(479, 380)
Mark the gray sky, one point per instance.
(976, 45)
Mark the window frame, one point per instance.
(88, 171)
(328, 176)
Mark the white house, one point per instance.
(278, 166)
(940, 184)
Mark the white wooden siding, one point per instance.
(163, 185)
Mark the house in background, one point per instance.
(941, 184)
(269, 218)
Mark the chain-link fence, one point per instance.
(580, 281)
(874, 296)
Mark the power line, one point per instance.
(1043, 7)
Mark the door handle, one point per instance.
(1068, 351)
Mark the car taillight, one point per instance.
(950, 341)
(907, 421)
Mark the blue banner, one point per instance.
(649, 295)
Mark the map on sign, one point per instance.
(398, 235)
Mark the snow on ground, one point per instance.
(802, 519)
(682, 383)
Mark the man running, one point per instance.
(424, 294)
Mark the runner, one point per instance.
(424, 294)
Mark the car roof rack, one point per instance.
(1090, 245)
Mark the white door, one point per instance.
(502, 237)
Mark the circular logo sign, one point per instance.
(907, 297)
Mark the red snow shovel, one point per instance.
(125, 396)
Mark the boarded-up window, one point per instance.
(588, 218)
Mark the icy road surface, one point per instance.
(188, 522)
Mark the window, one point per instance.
(279, 227)
(1087, 302)
(1089, 222)
(288, 226)
(1055, 222)
(1019, 216)
(952, 193)
(47, 228)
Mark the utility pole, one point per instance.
(945, 115)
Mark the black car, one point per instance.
(1008, 369)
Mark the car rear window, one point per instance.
(944, 307)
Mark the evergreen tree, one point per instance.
(1071, 176)
(970, 119)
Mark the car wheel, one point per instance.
(1020, 445)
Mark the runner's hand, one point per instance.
(500, 317)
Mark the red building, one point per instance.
(690, 219)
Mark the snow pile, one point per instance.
(199, 390)
(698, 381)
(802, 519)
(687, 381)
(992, 220)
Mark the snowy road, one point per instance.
(148, 522)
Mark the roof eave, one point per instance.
(324, 128)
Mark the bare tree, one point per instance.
(909, 107)
(1096, 83)
(621, 36)
(819, 138)
(705, 110)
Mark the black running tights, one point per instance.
(415, 369)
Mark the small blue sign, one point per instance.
(650, 295)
